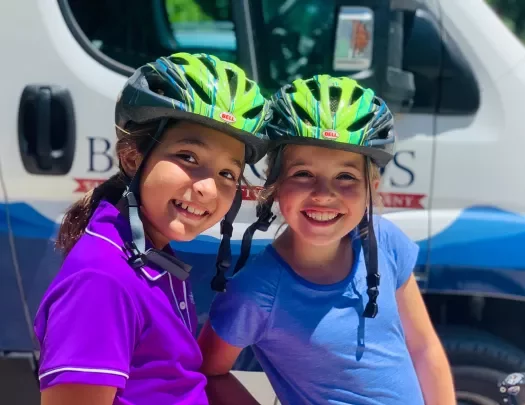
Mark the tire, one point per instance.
(479, 361)
(477, 385)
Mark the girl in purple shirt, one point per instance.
(117, 325)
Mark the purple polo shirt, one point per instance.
(101, 322)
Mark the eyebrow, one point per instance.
(204, 145)
(348, 163)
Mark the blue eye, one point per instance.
(346, 176)
(302, 174)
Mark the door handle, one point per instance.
(43, 123)
(46, 129)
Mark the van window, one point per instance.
(299, 33)
(292, 39)
(132, 32)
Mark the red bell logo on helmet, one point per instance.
(330, 134)
(228, 117)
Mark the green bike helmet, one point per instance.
(331, 112)
(200, 88)
(206, 90)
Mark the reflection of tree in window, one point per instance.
(198, 10)
(512, 13)
(203, 26)
(300, 35)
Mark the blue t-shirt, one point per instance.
(312, 340)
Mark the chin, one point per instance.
(180, 233)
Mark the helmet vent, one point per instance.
(335, 98)
(303, 115)
(290, 89)
(356, 95)
(178, 61)
(361, 122)
(163, 87)
(313, 86)
(250, 114)
(211, 67)
(232, 80)
(199, 90)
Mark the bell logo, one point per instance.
(228, 117)
(330, 134)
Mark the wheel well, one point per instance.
(497, 316)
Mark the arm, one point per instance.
(218, 359)
(238, 318)
(428, 355)
(78, 394)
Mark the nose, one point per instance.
(206, 189)
(322, 191)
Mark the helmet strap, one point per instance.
(369, 244)
(265, 216)
(138, 256)
(224, 256)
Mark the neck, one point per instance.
(155, 238)
(323, 264)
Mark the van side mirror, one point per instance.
(368, 47)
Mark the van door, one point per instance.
(296, 39)
(477, 224)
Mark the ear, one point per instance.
(130, 161)
(375, 184)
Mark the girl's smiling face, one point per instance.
(189, 181)
(322, 192)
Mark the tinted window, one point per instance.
(134, 32)
(443, 78)
(293, 39)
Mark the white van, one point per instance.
(455, 185)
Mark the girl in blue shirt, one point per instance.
(331, 308)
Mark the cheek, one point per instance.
(355, 196)
(290, 197)
(162, 179)
(225, 197)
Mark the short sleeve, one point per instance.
(87, 325)
(403, 250)
(240, 315)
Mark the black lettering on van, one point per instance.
(100, 161)
(404, 168)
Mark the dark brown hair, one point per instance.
(135, 138)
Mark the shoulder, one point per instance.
(260, 274)
(390, 237)
(240, 314)
(91, 254)
(399, 249)
(95, 270)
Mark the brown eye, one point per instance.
(187, 157)
(229, 175)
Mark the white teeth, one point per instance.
(188, 208)
(321, 216)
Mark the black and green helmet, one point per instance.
(334, 112)
(199, 88)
